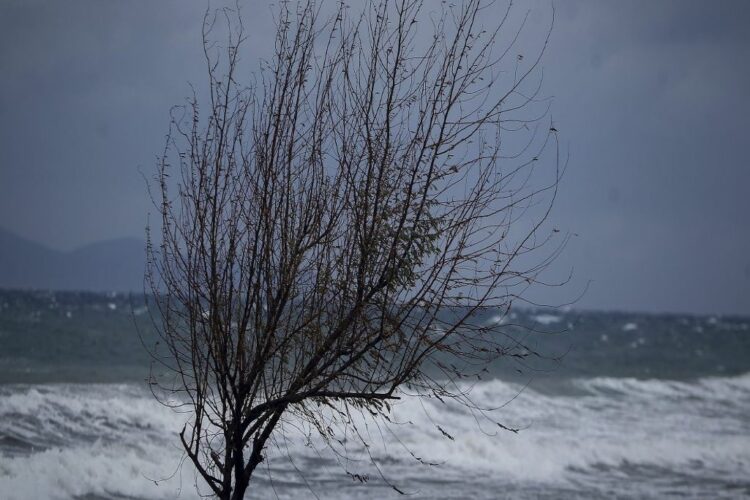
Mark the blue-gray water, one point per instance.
(639, 406)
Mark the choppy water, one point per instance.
(641, 407)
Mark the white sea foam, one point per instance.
(112, 440)
(657, 422)
(547, 319)
(102, 440)
(94, 469)
(140, 311)
(497, 319)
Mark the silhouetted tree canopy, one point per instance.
(329, 232)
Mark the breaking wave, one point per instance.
(592, 435)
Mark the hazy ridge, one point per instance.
(112, 265)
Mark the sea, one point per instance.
(610, 405)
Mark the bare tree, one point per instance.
(329, 234)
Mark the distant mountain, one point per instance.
(114, 265)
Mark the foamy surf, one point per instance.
(597, 437)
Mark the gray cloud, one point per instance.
(650, 97)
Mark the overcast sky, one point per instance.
(652, 100)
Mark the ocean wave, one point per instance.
(61, 415)
(616, 422)
(98, 469)
(112, 440)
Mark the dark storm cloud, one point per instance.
(653, 99)
(650, 97)
(84, 100)
(83, 85)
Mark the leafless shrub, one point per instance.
(329, 235)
